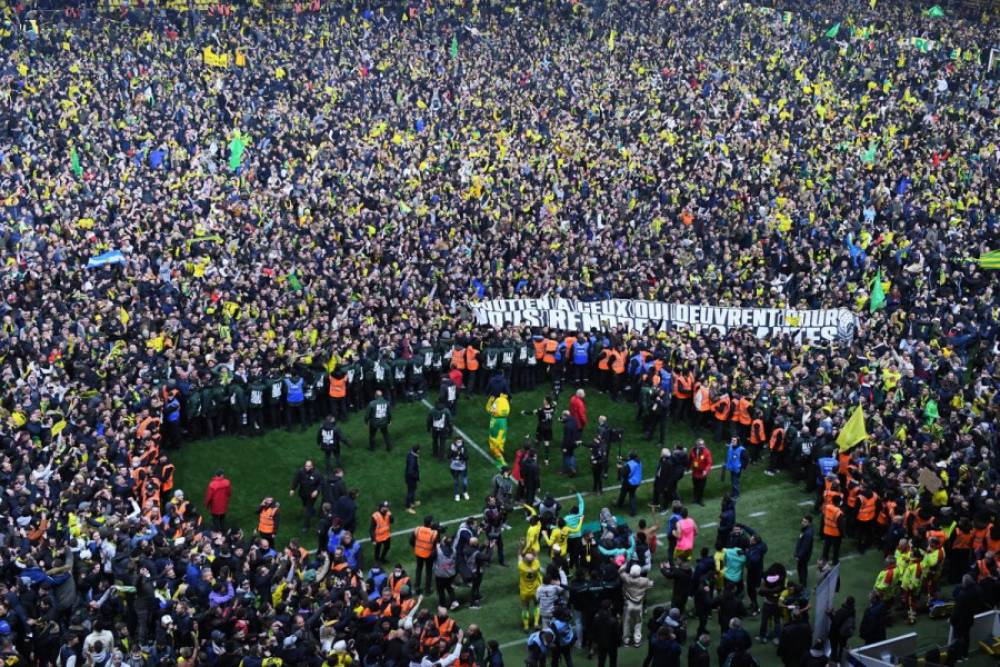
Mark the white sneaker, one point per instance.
(457, 498)
(466, 495)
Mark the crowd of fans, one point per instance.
(193, 247)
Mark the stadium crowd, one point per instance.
(290, 226)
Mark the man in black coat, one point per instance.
(412, 476)
(804, 548)
(607, 634)
(734, 640)
(698, 654)
(969, 601)
(307, 482)
(795, 640)
(875, 620)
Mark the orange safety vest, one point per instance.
(777, 443)
(147, 425)
(741, 415)
(382, 526)
(829, 495)
(397, 585)
(853, 493)
(423, 541)
(602, 361)
(265, 525)
(979, 536)
(539, 349)
(721, 408)
(458, 359)
(886, 513)
(472, 358)
(167, 475)
(682, 386)
(338, 387)
(570, 342)
(844, 458)
(867, 511)
(550, 351)
(963, 540)
(618, 362)
(831, 515)
(702, 398)
(757, 434)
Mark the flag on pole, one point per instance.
(853, 431)
(877, 298)
(293, 282)
(787, 17)
(920, 44)
(832, 32)
(935, 12)
(611, 40)
(453, 49)
(74, 162)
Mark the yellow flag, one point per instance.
(853, 431)
(123, 315)
(611, 40)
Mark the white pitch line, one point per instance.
(464, 436)
(713, 524)
(805, 502)
(754, 515)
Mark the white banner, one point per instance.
(823, 600)
(809, 327)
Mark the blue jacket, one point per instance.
(635, 473)
(563, 632)
(581, 353)
(294, 391)
(734, 458)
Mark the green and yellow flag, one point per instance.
(990, 260)
(877, 298)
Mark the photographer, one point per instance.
(656, 418)
(630, 474)
(598, 464)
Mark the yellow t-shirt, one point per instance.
(529, 576)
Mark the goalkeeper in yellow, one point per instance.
(529, 575)
(499, 408)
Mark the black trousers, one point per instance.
(699, 489)
(381, 551)
(607, 654)
(424, 574)
(384, 430)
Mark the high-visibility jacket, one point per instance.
(962, 540)
(844, 460)
(757, 433)
(741, 413)
(683, 385)
(382, 526)
(423, 541)
(338, 387)
(167, 475)
(721, 408)
(539, 349)
(550, 351)
(617, 362)
(868, 506)
(396, 584)
(853, 495)
(831, 519)
(886, 513)
(471, 358)
(829, 495)
(604, 358)
(777, 443)
(458, 358)
(979, 536)
(569, 342)
(265, 524)
(702, 398)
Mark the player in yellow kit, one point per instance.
(529, 574)
(533, 535)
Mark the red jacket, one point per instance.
(217, 495)
(701, 462)
(456, 377)
(578, 409)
